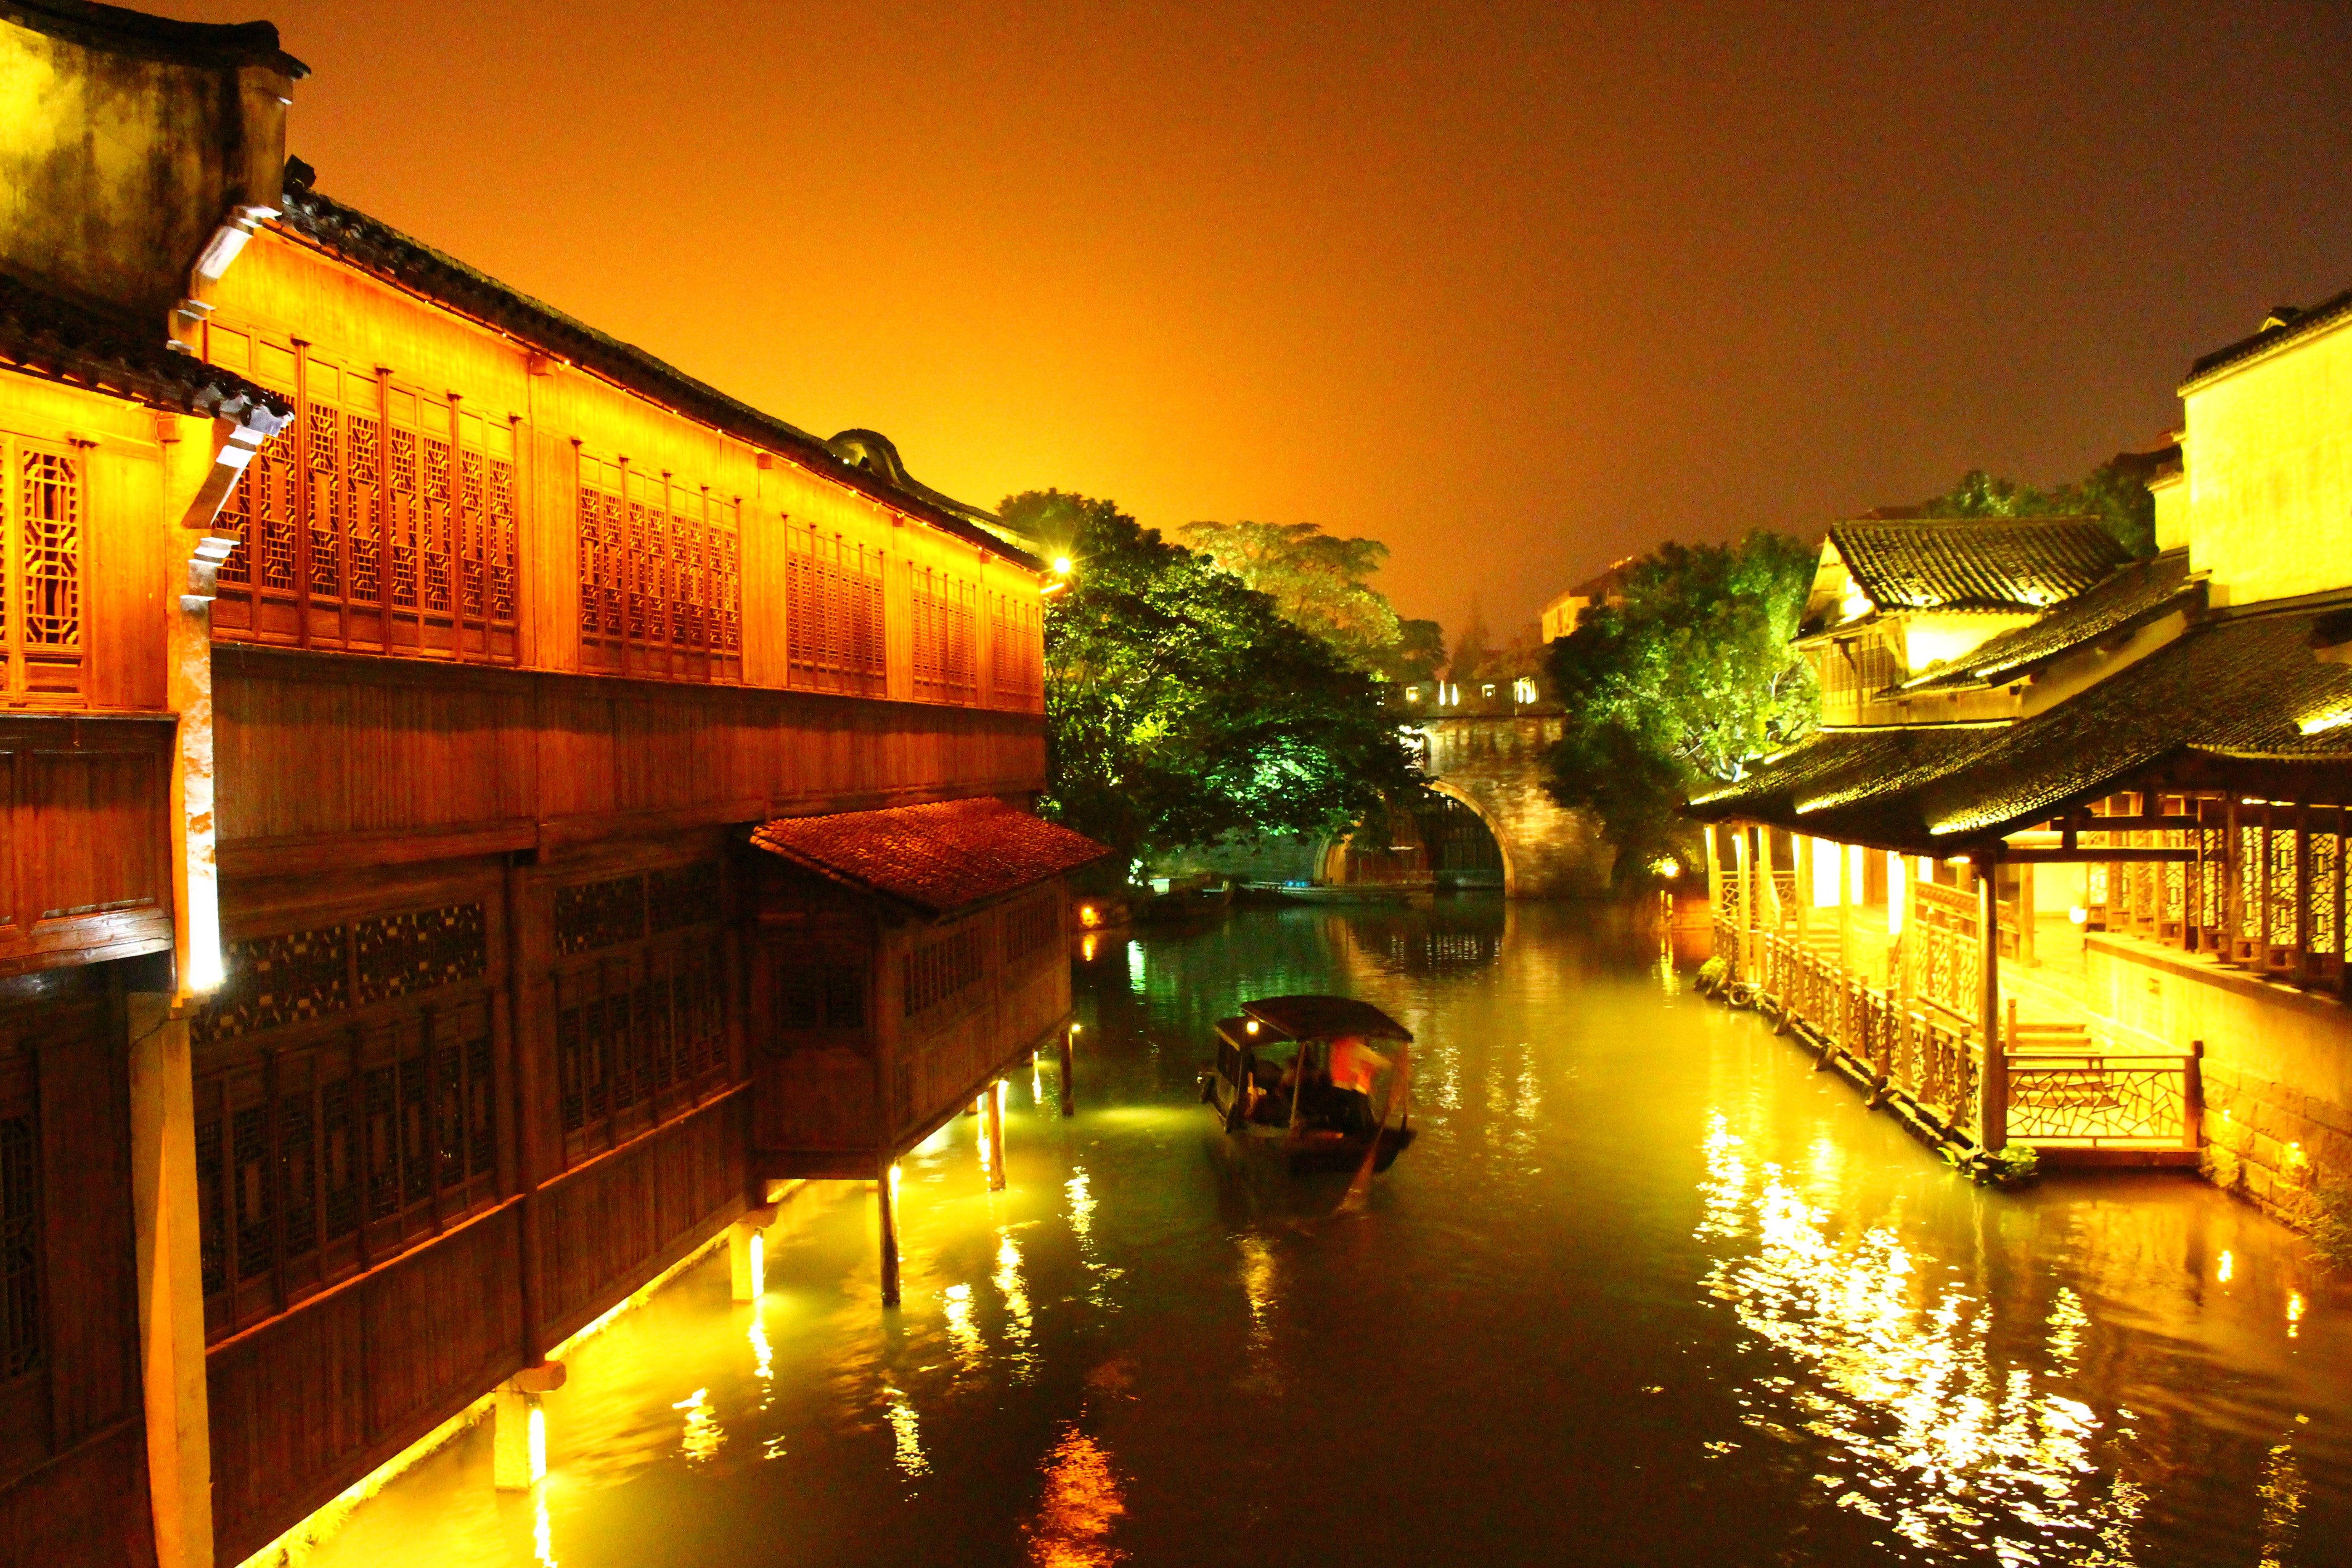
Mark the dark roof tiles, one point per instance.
(935, 858)
(46, 334)
(1975, 564)
(2328, 312)
(2133, 595)
(2243, 687)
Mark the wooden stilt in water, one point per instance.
(1069, 1050)
(887, 1193)
(992, 1101)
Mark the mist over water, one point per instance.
(1648, 1289)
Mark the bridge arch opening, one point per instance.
(1445, 839)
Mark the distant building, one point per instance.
(1561, 616)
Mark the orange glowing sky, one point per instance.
(1515, 288)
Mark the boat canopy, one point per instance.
(1324, 1019)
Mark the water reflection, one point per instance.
(1955, 1449)
(1082, 1501)
(1648, 1291)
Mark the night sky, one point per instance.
(1517, 288)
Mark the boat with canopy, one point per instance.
(1325, 1081)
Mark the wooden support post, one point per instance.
(519, 1427)
(886, 1190)
(1992, 1078)
(171, 1282)
(992, 1129)
(1069, 1051)
(1807, 847)
(2192, 1096)
(1745, 959)
(1845, 853)
(747, 1255)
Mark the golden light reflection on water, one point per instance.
(1081, 1503)
(2282, 1494)
(906, 1438)
(1956, 1453)
(542, 1531)
(962, 1333)
(1019, 1326)
(702, 1437)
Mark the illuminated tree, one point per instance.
(1324, 585)
(1691, 679)
(1181, 708)
(2115, 492)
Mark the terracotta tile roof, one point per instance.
(45, 334)
(378, 247)
(1976, 564)
(2328, 312)
(935, 858)
(2243, 692)
(2138, 593)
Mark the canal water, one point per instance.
(1648, 1291)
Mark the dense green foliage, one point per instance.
(1182, 706)
(2113, 492)
(1688, 682)
(1324, 585)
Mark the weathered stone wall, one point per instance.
(1496, 764)
(2277, 1069)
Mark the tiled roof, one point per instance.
(2244, 689)
(1975, 564)
(2138, 592)
(2328, 312)
(378, 248)
(135, 33)
(935, 858)
(44, 335)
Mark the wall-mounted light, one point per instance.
(1062, 566)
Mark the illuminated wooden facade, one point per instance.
(393, 667)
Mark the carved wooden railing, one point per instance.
(1903, 1049)
(2091, 1099)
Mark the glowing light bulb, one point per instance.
(1062, 564)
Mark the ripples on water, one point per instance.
(1648, 1291)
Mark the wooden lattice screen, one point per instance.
(41, 613)
(381, 519)
(833, 612)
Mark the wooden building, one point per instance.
(400, 675)
(2067, 863)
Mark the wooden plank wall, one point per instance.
(73, 1455)
(320, 756)
(85, 866)
(311, 1401)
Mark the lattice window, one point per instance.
(725, 595)
(1017, 653)
(420, 951)
(2253, 856)
(42, 502)
(820, 997)
(1032, 926)
(593, 915)
(20, 1260)
(833, 612)
(640, 1038)
(2325, 893)
(274, 980)
(2286, 888)
(941, 968)
(380, 520)
(324, 498)
(945, 666)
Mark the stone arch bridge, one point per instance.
(1489, 757)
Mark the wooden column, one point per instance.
(991, 1113)
(1807, 846)
(1069, 1051)
(887, 1195)
(1992, 1077)
(1742, 856)
(1845, 906)
(171, 1282)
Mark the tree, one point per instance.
(1323, 584)
(2113, 492)
(1182, 706)
(1470, 649)
(1689, 681)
